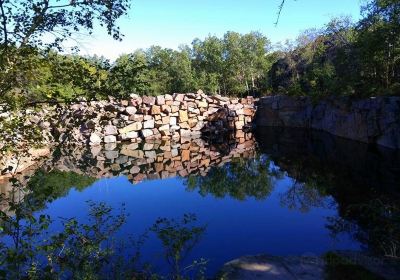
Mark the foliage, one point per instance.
(239, 179)
(89, 250)
(45, 187)
(342, 58)
(29, 29)
(178, 239)
(345, 58)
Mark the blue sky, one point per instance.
(169, 23)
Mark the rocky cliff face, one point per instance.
(373, 120)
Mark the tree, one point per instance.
(208, 62)
(130, 74)
(379, 44)
(31, 27)
(28, 22)
(181, 71)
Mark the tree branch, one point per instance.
(67, 5)
(280, 8)
(39, 20)
(4, 23)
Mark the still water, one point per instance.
(279, 192)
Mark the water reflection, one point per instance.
(352, 188)
(363, 180)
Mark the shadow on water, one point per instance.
(363, 181)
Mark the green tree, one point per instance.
(130, 74)
(208, 62)
(31, 27)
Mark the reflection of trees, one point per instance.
(89, 250)
(178, 239)
(307, 190)
(45, 186)
(375, 223)
(303, 197)
(239, 179)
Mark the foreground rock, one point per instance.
(264, 267)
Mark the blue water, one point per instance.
(234, 228)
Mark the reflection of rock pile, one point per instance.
(150, 160)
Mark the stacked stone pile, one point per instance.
(139, 117)
(166, 117)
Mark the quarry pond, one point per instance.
(279, 191)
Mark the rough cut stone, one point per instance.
(95, 139)
(149, 100)
(131, 110)
(185, 132)
(110, 130)
(164, 127)
(132, 153)
(155, 110)
(132, 127)
(134, 170)
(147, 133)
(130, 135)
(174, 109)
(165, 120)
(179, 97)
(110, 139)
(185, 155)
(172, 121)
(160, 100)
(202, 104)
(248, 112)
(166, 109)
(148, 124)
(183, 116)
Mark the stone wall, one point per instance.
(373, 120)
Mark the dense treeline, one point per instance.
(343, 58)
(233, 64)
